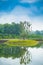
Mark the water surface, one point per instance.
(21, 55)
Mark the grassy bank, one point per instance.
(19, 42)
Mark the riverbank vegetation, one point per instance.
(19, 42)
(20, 30)
(19, 34)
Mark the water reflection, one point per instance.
(16, 52)
(21, 55)
(26, 58)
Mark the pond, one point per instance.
(21, 55)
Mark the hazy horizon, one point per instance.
(22, 10)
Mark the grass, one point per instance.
(19, 42)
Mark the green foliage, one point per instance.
(14, 52)
(19, 30)
(12, 30)
(18, 42)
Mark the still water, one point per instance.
(21, 55)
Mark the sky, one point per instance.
(22, 10)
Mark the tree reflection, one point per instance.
(26, 58)
(16, 52)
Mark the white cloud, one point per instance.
(28, 1)
(37, 23)
(19, 10)
(7, 19)
(11, 18)
(21, 14)
(17, 14)
(37, 26)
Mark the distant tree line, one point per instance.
(13, 30)
(18, 30)
(37, 35)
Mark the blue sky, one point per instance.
(21, 10)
